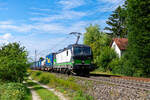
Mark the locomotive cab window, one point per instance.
(82, 51)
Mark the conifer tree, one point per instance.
(117, 23)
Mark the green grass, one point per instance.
(42, 92)
(67, 86)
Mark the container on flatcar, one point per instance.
(49, 60)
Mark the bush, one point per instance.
(13, 62)
(105, 58)
(123, 66)
(44, 79)
(117, 66)
(13, 91)
(38, 73)
(128, 68)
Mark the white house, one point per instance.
(119, 45)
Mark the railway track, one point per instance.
(132, 84)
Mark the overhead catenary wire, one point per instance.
(47, 51)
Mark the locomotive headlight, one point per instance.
(72, 61)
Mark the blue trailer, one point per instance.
(49, 60)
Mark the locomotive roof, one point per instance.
(78, 45)
(72, 45)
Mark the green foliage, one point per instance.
(116, 65)
(13, 62)
(38, 73)
(117, 22)
(41, 58)
(44, 79)
(96, 39)
(105, 58)
(13, 91)
(139, 37)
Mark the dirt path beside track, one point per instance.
(59, 94)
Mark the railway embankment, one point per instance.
(100, 88)
(107, 88)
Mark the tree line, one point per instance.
(132, 21)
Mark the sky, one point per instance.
(44, 25)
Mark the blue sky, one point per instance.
(44, 25)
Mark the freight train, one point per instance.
(75, 59)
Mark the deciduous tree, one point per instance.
(13, 62)
(96, 39)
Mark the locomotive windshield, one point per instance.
(82, 51)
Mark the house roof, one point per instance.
(121, 43)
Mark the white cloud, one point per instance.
(8, 25)
(109, 1)
(6, 22)
(6, 36)
(37, 13)
(50, 28)
(69, 4)
(54, 28)
(63, 15)
(3, 8)
(109, 5)
(40, 9)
